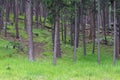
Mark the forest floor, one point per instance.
(14, 64)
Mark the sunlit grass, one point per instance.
(85, 68)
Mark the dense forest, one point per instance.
(59, 34)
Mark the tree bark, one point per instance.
(1, 15)
(65, 31)
(16, 19)
(94, 29)
(75, 41)
(104, 22)
(55, 39)
(57, 52)
(29, 29)
(98, 36)
(115, 33)
(83, 30)
(37, 13)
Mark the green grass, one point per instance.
(44, 36)
(21, 69)
(17, 67)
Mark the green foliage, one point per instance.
(15, 45)
(42, 36)
(3, 51)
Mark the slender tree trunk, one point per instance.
(72, 34)
(62, 33)
(84, 39)
(58, 42)
(83, 33)
(104, 21)
(1, 15)
(75, 41)
(98, 36)
(14, 10)
(7, 17)
(94, 30)
(8, 10)
(109, 16)
(29, 29)
(44, 23)
(91, 26)
(11, 8)
(45, 17)
(40, 17)
(32, 14)
(62, 25)
(115, 34)
(25, 23)
(20, 7)
(65, 31)
(55, 38)
(53, 34)
(37, 11)
(83, 27)
(16, 18)
(78, 26)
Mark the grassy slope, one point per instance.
(86, 68)
(15, 66)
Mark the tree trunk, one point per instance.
(25, 23)
(91, 26)
(8, 10)
(75, 41)
(94, 30)
(115, 33)
(57, 52)
(62, 33)
(40, 17)
(7, 17)
(37, 12)
(29, 29)
(83, 31)
(21, 7)
(109, 16)
(32, 13)
(55, 38)
(16, 19)
(1, 15)
(78, 26)
(58, 42)
(104, 21)
(72, 34)
(65, 31)
(98, 36)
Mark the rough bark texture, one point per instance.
(29, 29)
(55, 40)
